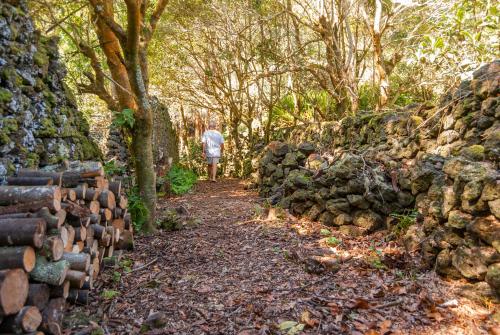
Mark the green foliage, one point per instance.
(405, 220)
(193, 158)
(116, 277)
(291, 327)
(325, 232)
(137, 208)
(124, 119)
(113, 169)
(110, 294)
(181, 180)
(368, 97)
(333, 241)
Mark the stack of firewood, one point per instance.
(55, 230)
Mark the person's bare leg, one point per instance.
(209, 171)
(214, 171)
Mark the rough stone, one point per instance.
(343, 219)
(493, 276)
(358, 201)
(353, 231)
(368, 220)
(468, 263)
(487, 228)
(337, 206)
(458, 219)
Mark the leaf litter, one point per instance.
(248, 270)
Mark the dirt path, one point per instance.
(237, 274)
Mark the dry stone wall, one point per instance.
(438, 164)
(39, 120)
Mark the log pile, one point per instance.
(56, 228)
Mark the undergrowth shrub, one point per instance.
(137, 208)
(181, 180)
(405, 220)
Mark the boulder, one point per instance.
(413, 238)
(491, 190)
(343, 219)
(447, 137)
(307, 148)
(326, 218)
(486, 228)
(469, 263)
(315, 162)
(450, 200)
(472, 190)
(459, 167)
(458, 219)
(278, 148)
(444, 265)
(314, 212)
(368, 220)
(495, 207)
(358, 201)
(474, 152)
(337, 206)
(493, 277)
(297, 179)
(353, 231)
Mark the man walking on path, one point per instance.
(213, 147)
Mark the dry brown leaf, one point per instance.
(305, 318)
(385, 326)
(361, 304)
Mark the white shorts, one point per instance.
(213, 160)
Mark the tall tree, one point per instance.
(125, 50)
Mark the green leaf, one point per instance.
(325, 232)
(285, 325)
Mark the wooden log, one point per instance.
(71, 194)
(106, 214)
(17, 257)
(88, 284)
(30, 181)
(109, 251)
(10, 195)
(52, 317)
(118, 212)
(27, 320)
(96, 182)
(61, 215)
(81, 191)
(30, 231)
(53, 221)
(53, 248)
(105, 240)
(76, 210)
(13, 291)
(31, 207)
(78, 262)
(111, 231)
(98, 230)
(122, 201)
(95, 267)
(95, 218)
(86, 169)
(52, 273)
(80, 234)
(90, 236)
(116, 187)
(38, 295)
(107, 199)
(118, 224)
(62, 233)
(75, 278)
(80, 245)
(80, 297)
(126, 241)
(92, 194)
(60, 291)
(94, 207)
(92, 249)
(55, 176)
(71, 238)
(127, 218)
(102, 251)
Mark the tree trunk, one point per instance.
(142, 148)
(53, 248)
(78, 262)
(52, 317)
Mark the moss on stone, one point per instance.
(32, 160)
(40, 58)
(10, 125)
(5, 95)
(50, 97)
(417, 120)
(474, 152)
(47, 128)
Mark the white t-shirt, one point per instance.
(212, 140)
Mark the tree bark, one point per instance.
(27, 320)
(78, 262)
(38, 295)
(52, 317)
(17, 257)
(29, 231)
(52, 273)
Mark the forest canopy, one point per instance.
(262, 67)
